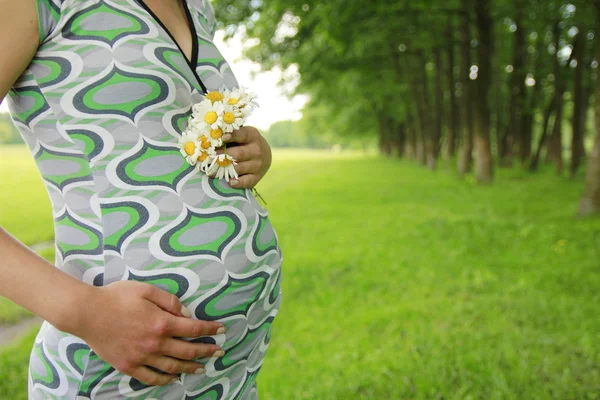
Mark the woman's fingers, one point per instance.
(151, 378)
(247, 181)
(187, 327)
(245, 152)
(245, 134)
(248, 167)
(164, 300)
(189, 351)
(172, 366)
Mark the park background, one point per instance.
(436, 200)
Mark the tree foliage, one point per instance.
(498, 82)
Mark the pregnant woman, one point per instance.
(167, 280)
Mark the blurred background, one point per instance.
(435, 188)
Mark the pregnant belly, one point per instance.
(245, 303)
(210, 245)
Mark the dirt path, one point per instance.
(11, 333)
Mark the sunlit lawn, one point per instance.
(400, 283)
(24, 206)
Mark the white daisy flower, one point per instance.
(206, 144)
(231, 119)
(215, 96)
(189, 146)
(195, 128)
(224, 167)
(205, 160)
(215, 136)
(207, 114)
(241, 98)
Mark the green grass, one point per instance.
(10, 312)
(24, 205)
(401, 283)
(13, 368)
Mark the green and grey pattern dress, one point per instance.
(101, 108)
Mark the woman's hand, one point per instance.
(133, 325)
(253, 155)
(130, 325)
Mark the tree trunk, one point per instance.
(500, 106)
(590, 202)
(410, 148)
(517, 91)
(428, 137)
(534, 163)
(405, 132)
(422, 121)
(420, 127)
(465, 159)
(385, 135)
(554, 147)
(453, 125)
(439, 102)
(532, 105)
(484, 172)
(579, 103)
(399, 138)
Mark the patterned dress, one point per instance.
(101, 108)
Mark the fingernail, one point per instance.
(174, 381)
(221, 330)
(233, 182)
(185, 312)
(200, 371)
(227, 137)
(219, 353)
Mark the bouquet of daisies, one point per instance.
(220, 112)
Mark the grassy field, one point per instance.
(24, 206)
(400, 283)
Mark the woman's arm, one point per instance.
(18, 43)
(130, 325)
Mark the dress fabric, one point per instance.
(101, 107)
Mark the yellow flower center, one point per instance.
(210, 117)
(216, 133)
(205, 145)
(232, 101)
(203, 156)
(229, 117)
(190, 148)
(215, 96)
(225, 163)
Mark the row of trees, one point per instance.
(486, 83)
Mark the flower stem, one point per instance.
(258, 196)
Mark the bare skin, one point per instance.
(134, 324)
